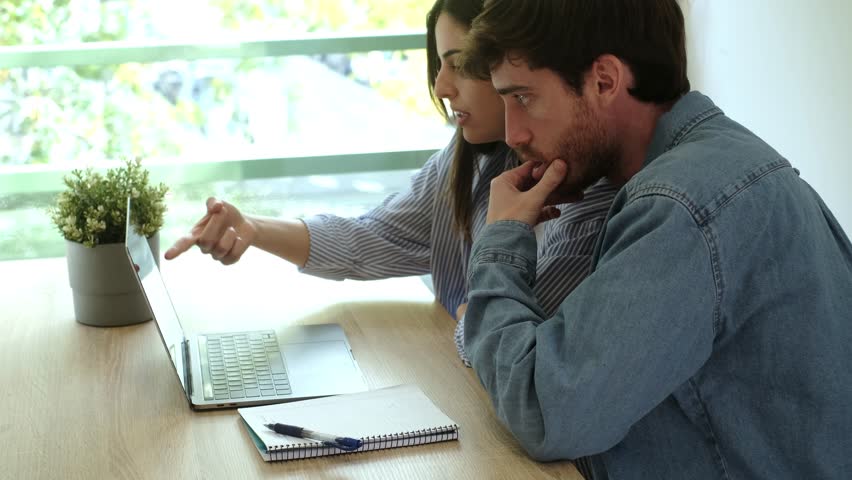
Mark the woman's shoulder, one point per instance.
(443, 158)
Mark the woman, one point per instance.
(430, 227)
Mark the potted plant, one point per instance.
(90, 213)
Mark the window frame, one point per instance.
(16, 179)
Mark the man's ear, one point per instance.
(606, 79)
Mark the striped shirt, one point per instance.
(412, 233)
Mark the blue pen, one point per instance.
(343, 443)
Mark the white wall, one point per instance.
(783, 68)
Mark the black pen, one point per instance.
(343, 443)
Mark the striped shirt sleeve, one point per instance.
(391, 240)
(567, 244)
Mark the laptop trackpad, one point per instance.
(321, 368)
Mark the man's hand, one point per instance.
(223, 233)
(516, 195)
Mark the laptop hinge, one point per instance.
(187, 370)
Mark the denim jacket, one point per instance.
(713, 340)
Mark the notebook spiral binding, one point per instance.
(405, 439)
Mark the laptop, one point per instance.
(239, 369)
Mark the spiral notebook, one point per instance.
(392, 417)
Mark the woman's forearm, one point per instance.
(288, 239)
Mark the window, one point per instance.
(209, 93)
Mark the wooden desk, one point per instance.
(92, 403)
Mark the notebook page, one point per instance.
(391, 411)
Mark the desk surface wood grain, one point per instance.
(86, 402)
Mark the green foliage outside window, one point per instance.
(50, 115)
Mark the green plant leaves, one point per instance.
(92, 208)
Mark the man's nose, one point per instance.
(517, 134)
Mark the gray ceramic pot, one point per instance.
(105, 290)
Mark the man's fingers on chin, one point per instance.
(554, 173)
(525, 168)
(525, 185)
(550, 183)
(518, 175)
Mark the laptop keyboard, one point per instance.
(242, 366)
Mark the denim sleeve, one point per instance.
(639, 326)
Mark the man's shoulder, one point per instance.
(708, 166)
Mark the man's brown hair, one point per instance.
(567, 36)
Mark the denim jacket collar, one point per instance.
(689, 111)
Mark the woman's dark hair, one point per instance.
(567, 36)
(464, 165)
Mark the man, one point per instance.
(713, 338)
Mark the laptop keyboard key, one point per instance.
(275, 363)
(245, 366)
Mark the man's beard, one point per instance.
(587, 151)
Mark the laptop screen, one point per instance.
(171, 332)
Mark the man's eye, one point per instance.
(522, 99)
(449, 65)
